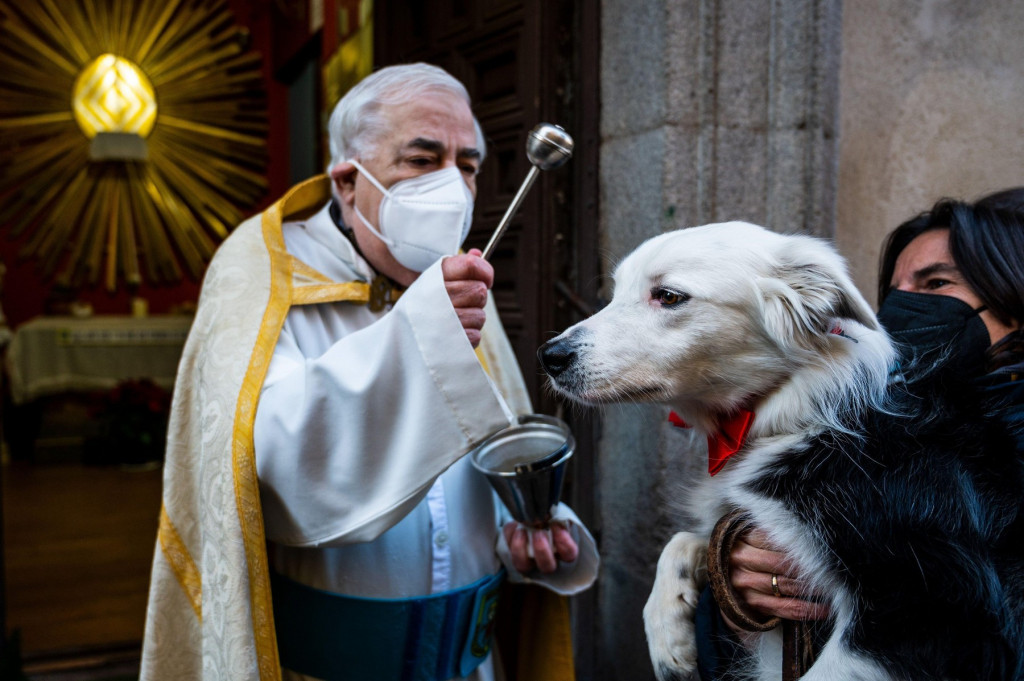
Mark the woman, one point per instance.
(951, 294)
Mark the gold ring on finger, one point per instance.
(775, 585)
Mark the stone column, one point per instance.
(712, 110)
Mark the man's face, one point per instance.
(927, 266)
(431, 133)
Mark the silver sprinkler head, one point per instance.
(548, 146)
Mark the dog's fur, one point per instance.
(900, 502)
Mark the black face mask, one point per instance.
(932, 328)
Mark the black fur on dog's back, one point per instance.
(921, 519)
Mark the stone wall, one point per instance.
(711, 111)
(932, 96)
(729, 109)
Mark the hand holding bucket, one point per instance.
(525, 464)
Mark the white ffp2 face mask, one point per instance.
(422, 218)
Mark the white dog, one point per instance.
(867, 502)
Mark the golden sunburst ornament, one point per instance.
(132, 135)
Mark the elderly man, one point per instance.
(320, 516)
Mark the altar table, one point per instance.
(50, 355)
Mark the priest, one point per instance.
(320, 516)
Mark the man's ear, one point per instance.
(343, 176)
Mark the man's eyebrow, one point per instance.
(436, 147)
(426, 145)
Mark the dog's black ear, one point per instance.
(804, 300)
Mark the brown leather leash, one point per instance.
(797, 649)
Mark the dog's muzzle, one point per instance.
(556, 356)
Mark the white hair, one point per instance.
(358, 120)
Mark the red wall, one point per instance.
(24, 289)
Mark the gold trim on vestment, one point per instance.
(182, 565)
(352, 291)
(311, 286)
(483, 360)
(288, 286)
(300, 199)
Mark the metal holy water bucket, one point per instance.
(525, 464)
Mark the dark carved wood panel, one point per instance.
(525, 62)
(521, 62)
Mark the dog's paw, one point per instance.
(668, 615)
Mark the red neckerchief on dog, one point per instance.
(726, 440)
(732, 432)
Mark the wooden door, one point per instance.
(523, 62)
(526, 62)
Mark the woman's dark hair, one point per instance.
(986, 240)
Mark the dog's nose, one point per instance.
(555, 356)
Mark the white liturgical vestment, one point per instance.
(353, 427)
(335, 433)
(366, 490)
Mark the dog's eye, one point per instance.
(668, 297)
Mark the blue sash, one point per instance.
(347, 638)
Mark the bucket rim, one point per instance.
(523, 423)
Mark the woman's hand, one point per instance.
(753, 564)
